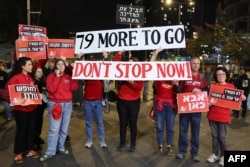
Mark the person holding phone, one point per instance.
(60, 86)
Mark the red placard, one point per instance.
(225, 97)
(23, 94)
(34, 49)
(192, 102)
(61, 47)
(31, 32)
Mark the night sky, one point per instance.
(81, 15)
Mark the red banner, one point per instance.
(113, 70)
(30, 48)
(60, 47)
(24, 94)
(225, 97)
(192, 102)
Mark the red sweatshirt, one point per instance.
(165, 92)
(93, 90)
(60, 88)
(196, 82)
(129, 91)
(220, 114)
(20, 78)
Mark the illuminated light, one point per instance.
(168, 2)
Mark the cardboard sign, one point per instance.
(129, 14)
(192, 102)
(147, 38)
(31, 32)
(34, 49)
(60, 47)
(113, 70)
(23, 94)
(225, 97)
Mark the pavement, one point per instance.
(238, 138)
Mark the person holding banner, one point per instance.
(93, 107)
(128, 106)
(197, 84)
(165, 110)
(219, 118)
(24, 114)
(60, 86)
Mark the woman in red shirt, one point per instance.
(128, 106)
(25, 116)
(219, 118)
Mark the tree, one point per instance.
(231, 44)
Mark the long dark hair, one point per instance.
(18, 66)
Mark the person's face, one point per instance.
(51, 64)
(39, 73)
(60, 66)
(27, 68)
(195, 65)
(221, 76)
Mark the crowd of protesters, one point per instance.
(57, 87)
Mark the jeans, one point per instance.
(194, 119)
(7, 109)
(219, 131)
(166, 115)
(94, 108)
(58, 129)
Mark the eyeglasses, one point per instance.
(218, 75)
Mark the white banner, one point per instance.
(167, 37)
(111, 70)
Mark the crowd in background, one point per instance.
(52, 78)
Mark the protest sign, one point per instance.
(147, 38)
(225, 97)
(23, 94)
(31, 32)
(60, 47)
(129, 14)
(110, 70)
(192, 102)
(34, 49)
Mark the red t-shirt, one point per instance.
(129, 91)
(93, 90)
(220, 114)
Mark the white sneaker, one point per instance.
(212, 158)
(103, 144)
(221, 163)
(88, 144)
